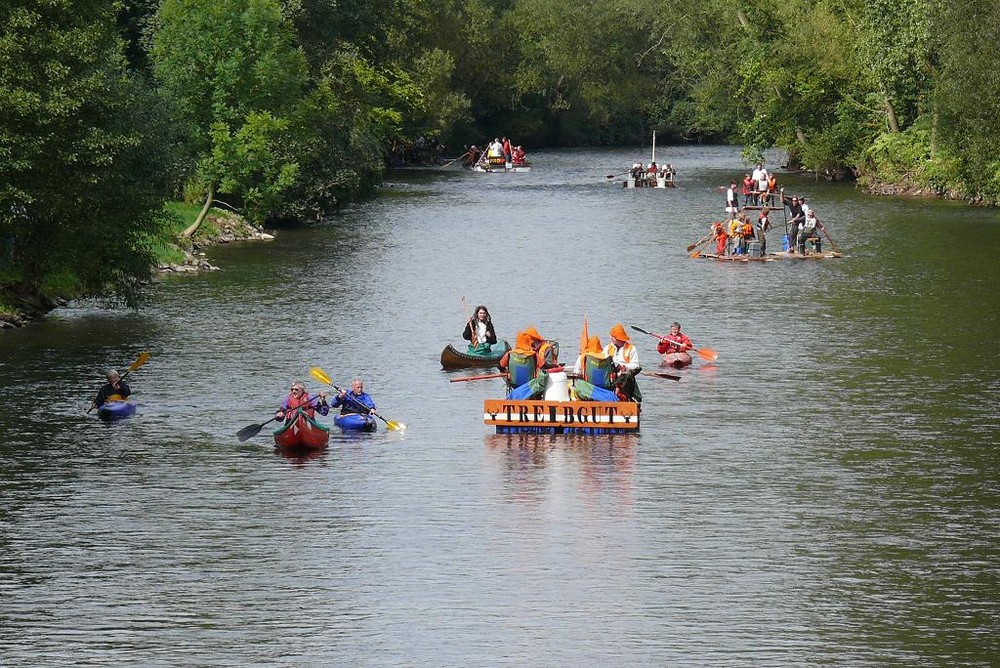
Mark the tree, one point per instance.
(231, 64)
(85, 158)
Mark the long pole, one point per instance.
(653, 157)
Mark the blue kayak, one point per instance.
(355, 422)
(116, 410)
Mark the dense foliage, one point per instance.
(288, 108)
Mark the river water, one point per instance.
(826, 493)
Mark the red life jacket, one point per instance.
(303, 400)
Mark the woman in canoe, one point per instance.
(299, 398)
(479, 331)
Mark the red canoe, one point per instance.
(675, 360)
(302, 433)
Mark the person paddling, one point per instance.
(356, 400)
(115, 389)
(675, 341)
(479, 331)
(298, 398)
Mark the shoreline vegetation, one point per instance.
(111, 111)
(173, 256)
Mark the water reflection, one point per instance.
(589, 467)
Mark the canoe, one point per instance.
(116, 410)
(453, 358)
(514, 416)
(302, 433)
(675, 360)
(355, 422)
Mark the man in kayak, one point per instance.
(115, 389)
(675, 341)
(356, 400)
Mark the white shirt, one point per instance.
(626, 356)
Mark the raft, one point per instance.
(116, 410)
(675, 360)
(499, 164)
(355, 422)
(516, 416)
(302, 433)
(770, 257)
(453, 358)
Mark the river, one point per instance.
(826, 493)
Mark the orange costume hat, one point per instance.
(523, 342)
(618, 332)
(533, 333)
(594, 345)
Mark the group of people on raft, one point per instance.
(733, 236)
(647, 176)
(605, 373)
(499, 153)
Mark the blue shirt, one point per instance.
(350, 401)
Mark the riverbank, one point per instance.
(174, 256)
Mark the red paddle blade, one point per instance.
(707, 354)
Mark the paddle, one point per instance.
(453, 160)
(487, 375)
(142, 359)
(827, 234)
(705, 238)
(705, 353)
(321, 376)
(611, 176)
(660, 374)
(252, 430)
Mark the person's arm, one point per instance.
(663, 346)
(322, 406)
(124, 390)
(467, 333)
(491, 335)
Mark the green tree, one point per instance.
(230, 64)
(85, 159)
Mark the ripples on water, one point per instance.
(824, 494)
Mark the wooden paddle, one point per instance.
(487, 375)
(660, 374)
(611, 176)
(142, 359)
(705, 353)
(827, 235)
(705, 238)
(321, 376)
(453, 160)
(252, 430)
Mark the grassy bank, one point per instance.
(18, 305)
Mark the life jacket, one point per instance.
(303, 400)
(746, 230)
(597, 369)
(548, 353)
(521, 367)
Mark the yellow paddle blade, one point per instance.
(142, 359)
(394, 426)
(320, 375)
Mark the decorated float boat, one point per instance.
(556, 413)
(500, 164)
(453, 358)
(356, 422)
(302, 433)
(116, 410)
